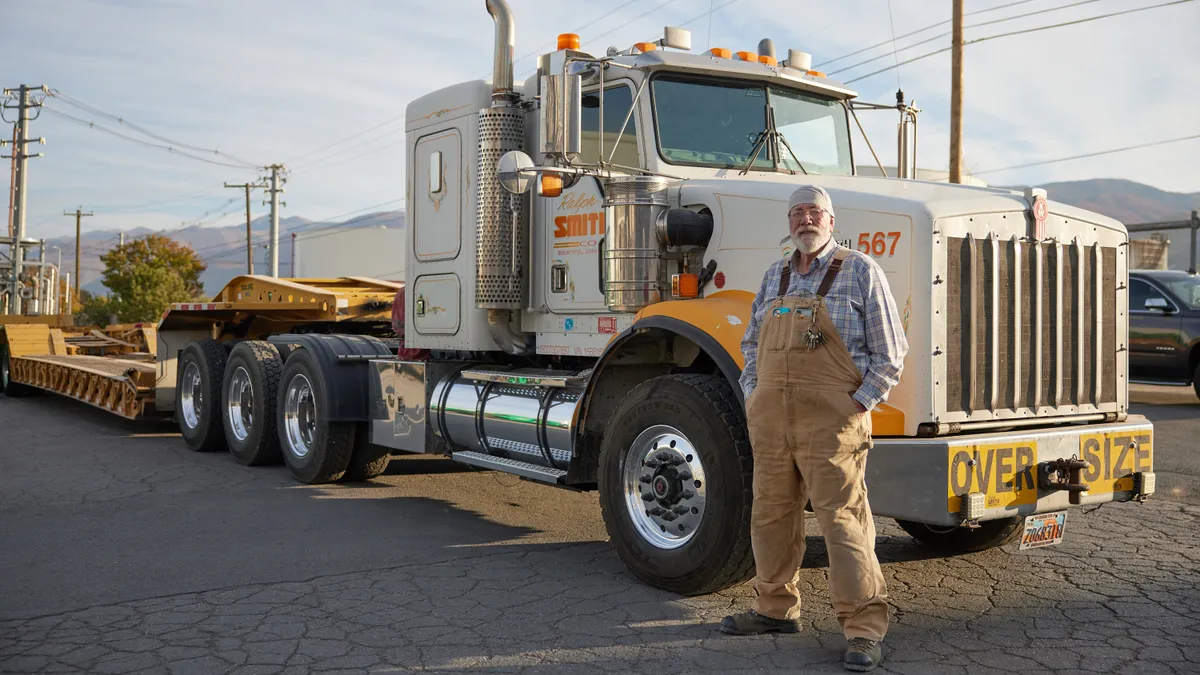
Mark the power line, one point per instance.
(918, 31)
(319, 162)
(372, 151)
(974, 25)
(348, 138)
(648, 13)
(575, 30)
(215, 251)
(178, 200)
(170, 149)
(146, 132)
(1090, 154)
(1020, 32)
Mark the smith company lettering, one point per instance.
(578, 201)
(1004, 472)
(579, 225)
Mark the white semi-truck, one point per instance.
(582, 249)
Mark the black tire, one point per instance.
(989, 534)
(704, 409)
(1196, 380)
(320, 451)
(367, 460)
(7, 386)
(200, 416)
(253, 368)
(3, 367)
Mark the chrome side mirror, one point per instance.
(1158, 305)
(515, 171)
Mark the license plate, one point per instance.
(1044, 529)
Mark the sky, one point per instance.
(267, 81)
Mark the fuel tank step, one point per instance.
(516, 467)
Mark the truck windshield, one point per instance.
(1186, 287)
(716, 123)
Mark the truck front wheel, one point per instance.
(675, 484)
(989, 534)
(315, 449)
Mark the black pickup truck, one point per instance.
(1164, 327)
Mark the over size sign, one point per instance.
(1005, 472)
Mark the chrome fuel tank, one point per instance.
(520, 414)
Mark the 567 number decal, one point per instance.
(878, 244)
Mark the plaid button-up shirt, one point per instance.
(862, 309)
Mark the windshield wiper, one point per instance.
(771, 133)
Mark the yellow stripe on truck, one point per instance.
(724, 316)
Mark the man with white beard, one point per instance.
(823, 347)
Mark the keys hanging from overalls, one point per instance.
(813, 337)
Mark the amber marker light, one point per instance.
(685, 285)
(551, 185)
(645, 47)
(748, 56)
(766, 60)
(568, 41)
(721, 53)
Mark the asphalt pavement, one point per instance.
(123, 552)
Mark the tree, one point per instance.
(94, 310)
(147, 274)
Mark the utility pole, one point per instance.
(278, 178)
(249, 237)
(25, 103)
(120, 239)
(956, 94)
(79, 215)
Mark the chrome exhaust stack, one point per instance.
(502, 60)
(501, 231)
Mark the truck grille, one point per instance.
(1029, 326)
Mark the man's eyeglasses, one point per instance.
(800, 211)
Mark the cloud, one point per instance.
(275, 79)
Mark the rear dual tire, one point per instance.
(251, 383)
(198, 395)
(314, 449)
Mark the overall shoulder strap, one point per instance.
(785, 279)
(835, 266)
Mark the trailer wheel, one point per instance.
(367, 460)
(251, 383)
(198, 395)
(314, 449)
(989, 534)
(675, 484)
(3, 368)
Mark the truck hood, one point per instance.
(920, 200)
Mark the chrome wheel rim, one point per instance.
(300, 415)
(191, 396)
(239, 403)
(665, 487)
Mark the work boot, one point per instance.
(753, 623)
(862, 655)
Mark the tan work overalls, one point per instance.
(810, 445)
